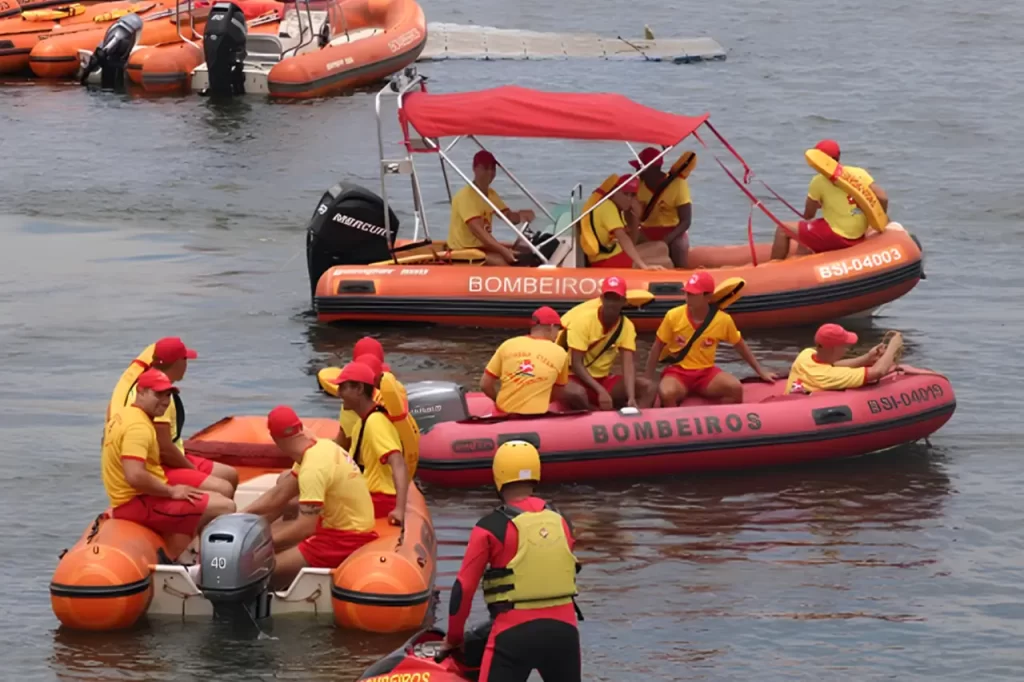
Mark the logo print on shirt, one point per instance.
(525, 369)
(708, 342)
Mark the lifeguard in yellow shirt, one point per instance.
(666, 209)
(472, 218)
(823, 368)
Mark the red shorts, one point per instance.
(818, 236)
(201, 464)
(656, 234)
(383, 504)
(162, 514)
(619, 260)
(695, 380)
(327, 548)
(192, 477)
(608, 383)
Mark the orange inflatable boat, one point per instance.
(360, 271)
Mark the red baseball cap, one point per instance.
(628, 185)
(613, 285)
(358, 372)
(647, 155)
(484, 158)
(830, 147)
(700, 282)
(832, 335)
(373, 362)
(368, 346)
(546, 315)
(282, 422)
(170, 349)
(155, 380)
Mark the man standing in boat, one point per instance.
(472, 218)
(696, 328)
(531, 583)
(595, 337)
(823, 368)
(666, 207)
(335, 511)
(842, 223)
(533, 370)
(139, 488)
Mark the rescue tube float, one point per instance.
(114, 574)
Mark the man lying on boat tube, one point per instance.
(471, 222)
(842, 223)
(823, 368)
(615, 224)
(668, 219)
(533, 370)
(693, 368)
(335, 510)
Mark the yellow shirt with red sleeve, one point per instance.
(349, 419)
(379, 441)
(808, 375)
(528, 368)
(666, 212)
(128, 435)
(838, 208)
(467, 205)
(677, 328)
(169, 417)
(328, 477)
(606, 219)
(587, 334)
(119, 399)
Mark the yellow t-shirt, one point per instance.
(808, 375)
(466, 205)
(837, 207)
(606, 219)
(677, 328)
(665, 214)
(379, 443)
(119, 398)
(528, 368)
(586, 334)
(328, 477)
(170, 417)
(349, 420)
(129, 435)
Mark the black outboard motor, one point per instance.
(433, 402)
(347, 228)
(112, 54)
(236, 563)
(224, 46)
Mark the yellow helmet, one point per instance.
(514, 461)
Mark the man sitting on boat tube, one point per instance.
(472, 217)
(363, 348)
(668, 221)
(335, 511)
(139, 488)
(595, 338)
(694, 369)
(615, 224)
(822, 368)
(533, 370)
(842, 223)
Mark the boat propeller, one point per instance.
(111, 55)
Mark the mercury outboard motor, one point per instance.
(347, 228)
(236, 563)
(224, 46)
(112, 54)
(433, 402)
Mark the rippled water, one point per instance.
(126, 219)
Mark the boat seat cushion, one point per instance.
(460, 256)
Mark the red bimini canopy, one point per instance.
(511, 111)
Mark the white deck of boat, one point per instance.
(459, 41)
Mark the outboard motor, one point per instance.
(236, 563)
(433, 402)
(224, 47)
(347, 228)
(112, 54)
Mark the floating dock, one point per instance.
(460, 41)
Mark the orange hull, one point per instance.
(244, 442)
(801, 290)
(342, 66)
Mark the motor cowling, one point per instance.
(433, 402)
(111, 55)
(224, 46)
(347, 228)
(236, 563)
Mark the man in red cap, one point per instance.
(170, 355)
(138, 487)
(823, 368)
(666, 218)
(471, 222)
(335, 512)
(376, 445)
(842, 223)
(615, 227)
(595, 337)
(532, 370)
(693, 368)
